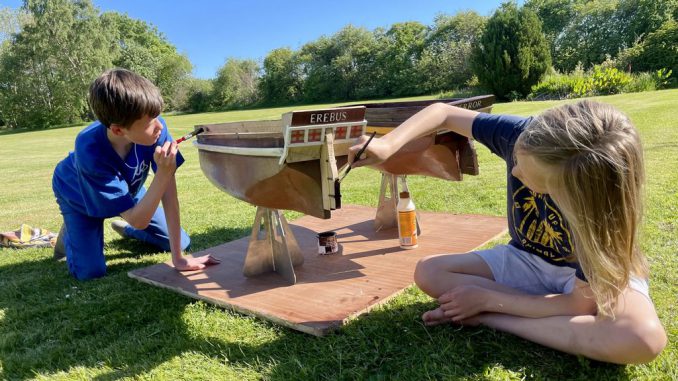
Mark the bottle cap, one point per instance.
(404, 194)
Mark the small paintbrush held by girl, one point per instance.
(572, 277)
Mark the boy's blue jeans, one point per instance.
(84, 239)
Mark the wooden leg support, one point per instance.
(387, 209)
(272, 246)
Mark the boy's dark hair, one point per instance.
(121, 97)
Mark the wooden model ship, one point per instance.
(290, 163)
(293, 164)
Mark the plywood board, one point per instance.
(331, 289)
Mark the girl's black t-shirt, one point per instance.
(535, 223)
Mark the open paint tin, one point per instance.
(327, 243)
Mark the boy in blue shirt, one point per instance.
(104, 176)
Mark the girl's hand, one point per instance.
(376, 152)
(166, 157)
(194, 263)
(464, 302)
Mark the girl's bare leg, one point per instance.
(437, 274)
(635, 335)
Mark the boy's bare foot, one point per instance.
(59, 247)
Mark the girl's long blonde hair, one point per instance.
(598, 185)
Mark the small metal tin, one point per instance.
(327, 243)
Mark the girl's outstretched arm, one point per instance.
(438, 116)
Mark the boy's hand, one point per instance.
(166, 157)
(194, 263)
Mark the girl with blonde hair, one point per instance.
(572, 277)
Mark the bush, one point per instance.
(641, 82)
(598, 81)
(663, 78)
(602, 82)
(555, 86)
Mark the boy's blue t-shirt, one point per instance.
(536, 225)
(93, 180)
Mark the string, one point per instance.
(136, 159)
(138, 169)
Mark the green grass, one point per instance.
(53, 327)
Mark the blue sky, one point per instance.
(210, 31)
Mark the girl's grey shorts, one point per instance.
(529, 273)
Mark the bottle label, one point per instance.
(408, 227)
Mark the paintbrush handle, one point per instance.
(190, 135)
(362, 150)
(357, 156)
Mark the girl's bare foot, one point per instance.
(435, 317)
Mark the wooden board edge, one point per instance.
(245, 311)
(315, 331)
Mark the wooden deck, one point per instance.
(331, 289)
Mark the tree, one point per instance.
(316, 59)
(555, 16)
(194, 95)
(355, 63)
(657, 51)
(587, 32)
(339, 67)
(400, 50)
(637, 18)
(603, 28)
(140, 47)
(47, 68)
(281, 82)
(235, 84)
(591, 37)
(445, 62)
(11, 22)
(512, 54)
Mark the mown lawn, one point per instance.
(54, 327)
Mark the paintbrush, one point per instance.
(190, 135)
(337, 182)
(357, 156)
